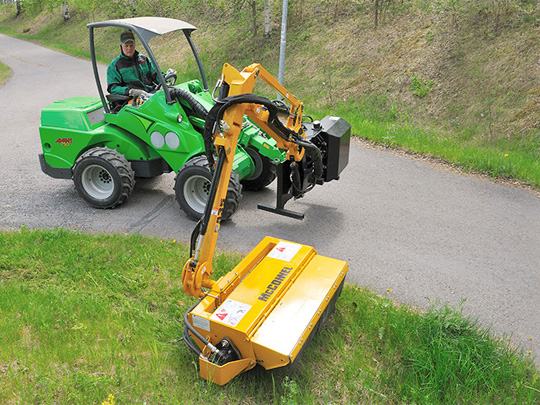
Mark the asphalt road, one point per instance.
(403, 224)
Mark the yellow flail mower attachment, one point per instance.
(266, 310)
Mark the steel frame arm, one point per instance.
(285, 128)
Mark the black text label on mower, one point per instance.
(282, 275)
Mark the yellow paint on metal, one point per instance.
(221, 375)
(292, 321)
(268, 305)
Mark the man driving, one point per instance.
(131, 73)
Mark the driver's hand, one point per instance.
(170, 72)
(138, 93)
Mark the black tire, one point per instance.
(103, 177)
(265, 171)
(192, 187)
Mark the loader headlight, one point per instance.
(157, 140)
(172, 141)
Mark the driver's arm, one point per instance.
(115, 83)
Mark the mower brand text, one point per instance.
(282, 275)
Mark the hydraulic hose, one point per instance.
(315, 155)
(185, 95)
(194, 236)
(187, 338)
(213, 349)
(213, 190)
(216, 114)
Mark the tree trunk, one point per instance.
(376, 13)
(65, 11)
(267, 18)
(254, 16)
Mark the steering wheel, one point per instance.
(170, 79)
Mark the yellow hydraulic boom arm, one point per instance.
(239, 102)
(266, 309)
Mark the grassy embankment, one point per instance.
(5, 73)
(455, 81)
(88, 316)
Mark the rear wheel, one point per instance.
(103, 177)
(192, 188)
(265, 171)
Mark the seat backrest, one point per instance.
(117, 101)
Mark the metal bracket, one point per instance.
(284, 185)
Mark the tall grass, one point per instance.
(515, 158)
(83, 317)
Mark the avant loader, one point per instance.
(104, 144)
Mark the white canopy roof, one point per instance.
(149, 27)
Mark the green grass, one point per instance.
(509, 159)
(83, 317)
(5, 73)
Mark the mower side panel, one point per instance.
(290, 325)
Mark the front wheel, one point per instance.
(264, 174)
(192, 188)
(103, 177)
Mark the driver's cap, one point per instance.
(126, 36)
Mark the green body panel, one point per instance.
(155, 121)
(152, 130)
(66, 131)
(77, 113)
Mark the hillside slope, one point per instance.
(465, 72)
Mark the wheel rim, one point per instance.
(97, 182)
(196, 192)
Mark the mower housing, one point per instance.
(267, 309)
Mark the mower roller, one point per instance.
(266, 310)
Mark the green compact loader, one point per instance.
(104, 143)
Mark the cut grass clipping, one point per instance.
(97, 319)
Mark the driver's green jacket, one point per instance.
(131, 73)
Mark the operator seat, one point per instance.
(117, 101)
